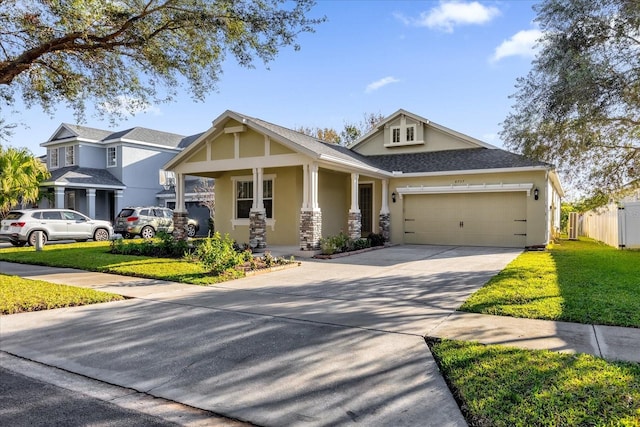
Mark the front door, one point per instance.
(365, 199)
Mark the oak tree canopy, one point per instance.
(579, 106)
(135, 52)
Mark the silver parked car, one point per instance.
(147, 221)
(19, 226)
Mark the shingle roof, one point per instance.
(453, 160)
(85, 177)
(313, 144)
(187, 140)
(148, 135)
(87, 132)
(141, 134)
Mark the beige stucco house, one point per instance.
(410, 179)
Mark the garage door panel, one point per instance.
(482, 219)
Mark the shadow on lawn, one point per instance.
(598, 284)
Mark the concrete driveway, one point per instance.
(328, 343)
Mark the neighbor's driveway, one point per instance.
(328, 343)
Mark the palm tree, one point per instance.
(20, 176)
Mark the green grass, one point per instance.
(95, 256)
(575, 281)
(19, 295)
(502, 386)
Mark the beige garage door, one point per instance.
(480, 219)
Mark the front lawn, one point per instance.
(576, 281)
(19, 295)
(502, 386)
(95, 256)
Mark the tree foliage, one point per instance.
(349, 134)
(125, 54)
(20, 178)
(324, 134)
(579, 106)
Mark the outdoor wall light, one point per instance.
(393, 197)
(535, 194)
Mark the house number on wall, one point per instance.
(459, 181)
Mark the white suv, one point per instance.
(19, 226)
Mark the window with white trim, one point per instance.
(395, 135)
(70, 155)
(244, 198)
(411, 133)
(112, 157)
(53, 158)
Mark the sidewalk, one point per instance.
(609, 342)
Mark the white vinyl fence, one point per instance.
(616, 226)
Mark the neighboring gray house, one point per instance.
(98, 172)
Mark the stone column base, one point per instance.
(355, 225)
(310, 229)
(258, 230)
(384, 224)
(180, 225)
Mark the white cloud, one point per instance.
(522, 43)
(380, 83)
(449, 14)
(126, 105)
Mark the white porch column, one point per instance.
(354, 193)
(59, 197)
(384, 209)
(310, 213)
(258, 215)
(180, 211)
(91, 202)
(259, 190)
(179, 189)
(305, 186)
(313, 181)
(354, 218)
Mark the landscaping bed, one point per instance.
(211, 261)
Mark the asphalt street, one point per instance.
(26, 401)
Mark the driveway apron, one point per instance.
(329, 343)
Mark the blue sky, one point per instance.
(453, 62)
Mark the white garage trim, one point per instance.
(469, 188)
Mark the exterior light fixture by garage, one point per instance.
(393, 197)
(535, 194)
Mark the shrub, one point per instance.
(163, 246)
(360, 244)
(376, 239)
(327, 246)
(217, 253)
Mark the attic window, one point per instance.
(405, 134)
(395, 135)
(411, 133)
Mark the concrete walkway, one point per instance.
(328, 343)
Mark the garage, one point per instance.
(466, 219)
